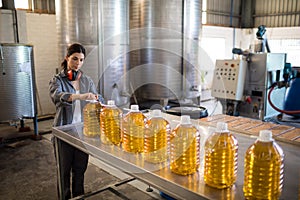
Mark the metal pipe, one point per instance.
(231, 12)
(2, 60)
(221, 13)
(276, 14)
(16, 28)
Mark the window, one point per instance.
(210, 44)
(23, 4)
(289, 46)
(204, 14)
(37, 6)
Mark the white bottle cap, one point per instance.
(134, 108)
(265, 136)
(185, 119)
(222, 127)
(111, 102)
(156, 113)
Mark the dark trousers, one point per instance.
(74, 164)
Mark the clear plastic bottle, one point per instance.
(221, 154)
(184, 147)
(110, 123)
(157, 132)
(133, 129)
(91, 119)
(263, 168)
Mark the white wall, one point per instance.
(41, 33)
(6, 21)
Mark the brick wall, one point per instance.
(41, 33)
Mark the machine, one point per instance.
(246, 92)
(260, 85)
(243, 91)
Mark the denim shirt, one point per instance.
(60, 89)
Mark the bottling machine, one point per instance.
(245, 89)
(242, 86)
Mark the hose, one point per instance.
(279, 110)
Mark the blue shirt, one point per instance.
(60, 90)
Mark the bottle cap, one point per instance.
(185, 119)
(222, 127)
(111, 102)
(134, 107)
(156, 113)
(265, 136)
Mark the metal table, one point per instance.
(159, 175)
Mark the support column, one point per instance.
(247, 12)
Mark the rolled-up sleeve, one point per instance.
(57, 95)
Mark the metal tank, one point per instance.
(114, 43)
(78, 22)
(17, 82)
(102, 27)
(164, 48)
(144, 49)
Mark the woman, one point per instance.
(69, 91)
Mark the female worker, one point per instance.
(69, 91)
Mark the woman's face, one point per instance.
(75, 61)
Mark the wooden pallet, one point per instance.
(253, 127)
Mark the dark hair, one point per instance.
(73, 48)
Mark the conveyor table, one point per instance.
(159, 175)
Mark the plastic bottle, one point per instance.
(263, 168)
(184, 147)
(157, 132)
(91, 119)
(133, 129)
(110, 123)
(220, 157)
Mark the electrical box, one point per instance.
(229, 79)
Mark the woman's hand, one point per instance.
(85, 96)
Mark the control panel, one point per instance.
(229, 79)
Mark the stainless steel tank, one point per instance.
(146, 49)
(78, 22)
(114, 44)
(102, 27)
(164, 46)
(17, 82)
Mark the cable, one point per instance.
(214, 109)
(279, 110)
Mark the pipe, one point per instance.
(279, 110)
(231, 12)
(16, 27)
(2, 60)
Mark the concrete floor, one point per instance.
(28, 169)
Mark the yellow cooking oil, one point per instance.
(184, 147)
(263, 168)
(220, 158)
(110, 124)
(157, 131)
(91, 119)
(133, 129)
